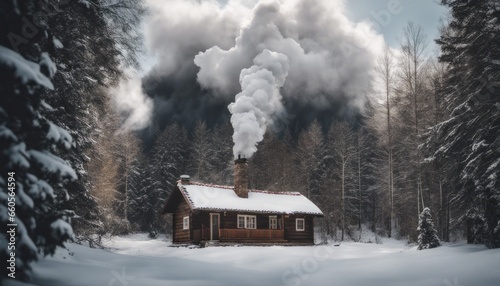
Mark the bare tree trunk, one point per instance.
(359, 179)
(343, 198)
(385, 71)
(343, 148)
(413, 46)
(441, 209)
(418, 200)
(130, 151)
(448, 217)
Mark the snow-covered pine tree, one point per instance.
(265, 168)
(366, 178)
(309, 156)
(92, 42)
(468, 140)
(222, 143)
(29, 141)
(201, 154)
(427, 237)
(78, 98)
(141, 197)
(169, 160)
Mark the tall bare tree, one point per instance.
(341, 140)
(104, 169)
(386, 75)
(413, 46)
(128, 152)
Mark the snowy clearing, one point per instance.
(137, 260)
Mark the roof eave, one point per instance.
(258, 211)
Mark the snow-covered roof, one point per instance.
(223, 198)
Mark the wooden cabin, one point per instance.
(205, 212)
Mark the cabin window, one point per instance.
(273, 222)
(247, 221)
(251, 221)
(300, 224)
(241, 221)
(185, 223)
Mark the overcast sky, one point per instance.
(423, 12)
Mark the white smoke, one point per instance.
(330, 57)
(177, 30)
(258, 102)
(329, 60)
(131, 102)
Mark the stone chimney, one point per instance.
(241, 177)
(185, 179)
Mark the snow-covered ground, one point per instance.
(137, 260)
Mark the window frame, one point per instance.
(238, 221)
(275, 218)
(246, 221)
(297, 224)
(185, 223)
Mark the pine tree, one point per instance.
(29, 141)
(467, 141)
(309, 156)
(169, 161)
(143, 197)
(222, 143)
(93, 41)
(269, 167)
(202, 153)
(427, 237)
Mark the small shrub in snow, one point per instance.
(153, 234)
(427, 237)
(116, 225)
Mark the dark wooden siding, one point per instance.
(292, 235)
(229, 220)
(180, 235)
(262, 221)
(200, 218)
(200, 227)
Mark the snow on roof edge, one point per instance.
(193, 206)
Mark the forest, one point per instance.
(427, 135)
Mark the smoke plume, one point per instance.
(201, 47)
(258, 102)
(131, 102)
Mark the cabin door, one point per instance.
(214, 226)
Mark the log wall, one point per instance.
(292, 235)
(180, 235)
